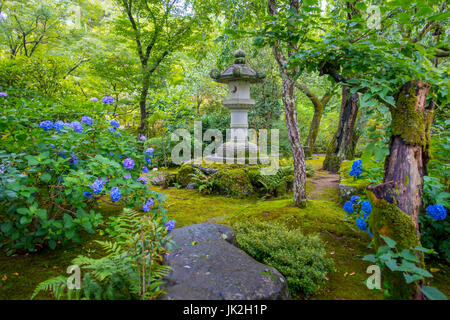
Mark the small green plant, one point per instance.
(408, 263)
(131, 269)
(205, 184)
(301, 259)
(272, 183)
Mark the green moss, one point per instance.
(317, 164)
(411, 125)
(345, 178)
(234, 182)
(388, 220)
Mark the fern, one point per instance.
(56, 285)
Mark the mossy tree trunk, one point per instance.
(290, 110)
(342, 146)
(398, 199)
(319, 107)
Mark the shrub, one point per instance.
(233, 182)
(55, 174)
(301, 259)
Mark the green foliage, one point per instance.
(126, 272)
(43, 200)
(301, 259)
(281, 182)
(203, 182)
(406, 261)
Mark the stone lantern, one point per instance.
(238, 76)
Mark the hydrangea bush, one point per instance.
(56, 174)
(359, 211)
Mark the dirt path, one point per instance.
(323, 181)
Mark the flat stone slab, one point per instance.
(209, 266)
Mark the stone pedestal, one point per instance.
(238, 148)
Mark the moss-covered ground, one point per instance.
(345, 244)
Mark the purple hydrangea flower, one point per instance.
(144, 169)
(146, 208)
(170, 225)
(3, 94)
(76, 126)
(142, 138)
(46, 125)
(142, 180)
(115, 194)
(94, 99)
(128, 163)
(149, 152)
(115, 123)
(108, 100)
(87, 120)
(149, 202)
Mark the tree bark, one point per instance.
(398, 199)
(290, 110)
(342, 145)
(319, 107)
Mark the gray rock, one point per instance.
(209, 266)
(207, 170)
(159, 179)
(347, 191)
(191, 186)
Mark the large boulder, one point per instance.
(208, 266)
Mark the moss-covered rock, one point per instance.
(233, 182)
(183, 176)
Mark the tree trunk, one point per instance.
(342, 145)
(313, 131)
(398, 199)
(143, 103)
(290, 110)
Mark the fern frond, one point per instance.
(56, 285)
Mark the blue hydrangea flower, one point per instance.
(370, 233)
(87, 120)
(146, 208)
(76, 126)
(115, 123)
(97, 186)
(87, 194)
(149, 202)
(144, 169)
(59, 125)
(94, 99)
(361, 224)
(170, 225)
(74, 159)
(354, 199)
(149, 152)
(128, 163)
(148, 160)
(3, 94)
(112, 130)
(142, 138)
(437, 211)
(356, 170)
(366, 207)
(115, 194)
(348, 207)
(46, 125)
(108, 100)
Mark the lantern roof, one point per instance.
(237, 71)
